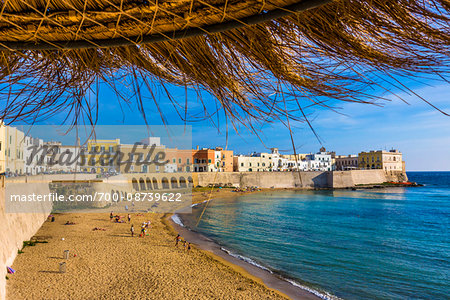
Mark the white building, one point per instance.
(62, 158)
(152, 140)
(299, 165)
(11, 147)
(33, 148)
(170, 168)
(320, 161)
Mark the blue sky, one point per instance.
(416, 129)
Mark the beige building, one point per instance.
(243, 163)
(141, 159)
(346, 162)
(387, 160)
(257, 162)
(105, 156)
(268, 162)
(298, 157)
(99, 156)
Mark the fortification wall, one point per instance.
(344, 179)
(18, 227)
(334, 179)
(264, 179)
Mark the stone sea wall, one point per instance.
(332, 179)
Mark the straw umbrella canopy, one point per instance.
(261, 60)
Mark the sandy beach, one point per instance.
(112, 264)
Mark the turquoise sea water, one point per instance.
(365, 244)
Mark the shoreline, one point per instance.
(272, 281)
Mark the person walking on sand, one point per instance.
(188, 247)
(177, 239)
(129, 218)
(111, 216)
(132, 230)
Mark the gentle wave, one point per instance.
(246, 259)
(322, 295)
(195, 204)
(176, 219)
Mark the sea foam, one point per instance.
(176, 219)
(246, 259)
(322, 295)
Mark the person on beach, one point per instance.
(132, 230)
(177, 239)
(111, 216)
(143, 231)
(188, 247)
(129, 218)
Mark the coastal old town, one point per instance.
(22, 154)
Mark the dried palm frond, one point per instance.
(262, 60)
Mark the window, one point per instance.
(187, 160)
(179, 160)
(209, 161)
(93, 148)
(242, 164)
(173, 160)
(102, 148)
(111, 149)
